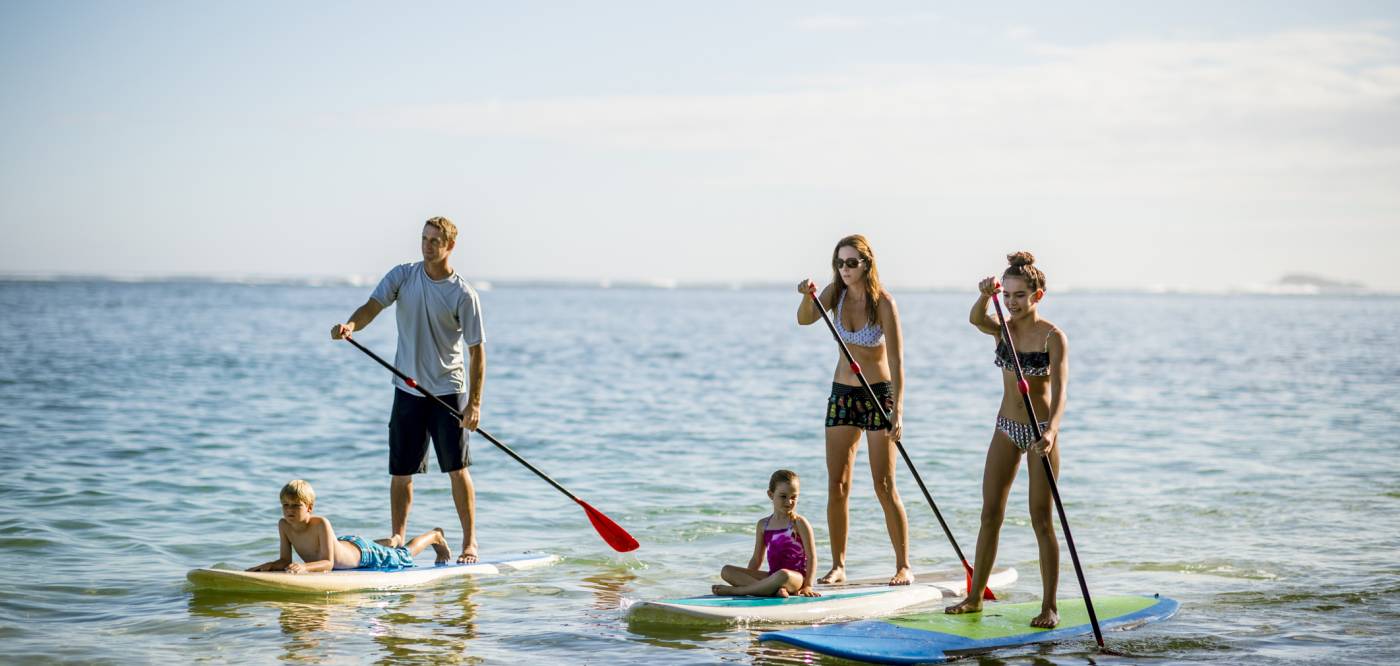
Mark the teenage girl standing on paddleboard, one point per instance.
(785, 539)
(1044, 356)
(866, 319)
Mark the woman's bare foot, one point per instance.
(723, 591)
(782, 592)
(902, 577)
(1047, 619)
(468, 555)
(440, 547)
(969, 605)
(835, 576)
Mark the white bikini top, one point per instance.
(870, 336)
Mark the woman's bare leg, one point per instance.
(882, 472)
(841, 445)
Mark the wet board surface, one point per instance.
(856, 599)
(930, 637)
(359, 580)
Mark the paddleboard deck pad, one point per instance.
(933, 637)
(846, 601)
(359, 580)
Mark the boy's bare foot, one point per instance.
(1047, 619)
(440, 547)
(468, 555)
(902, 577)
(723, 591)
(833, 577)
(969, 605)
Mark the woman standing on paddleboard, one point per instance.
(1043, 351)
(867, 321)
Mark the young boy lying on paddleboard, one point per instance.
(316, 543)
(788, 541)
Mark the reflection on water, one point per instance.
(609, 588)
(434, 623)
(405, 626)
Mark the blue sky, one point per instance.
(1127, 144)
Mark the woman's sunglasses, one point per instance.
(848, 263)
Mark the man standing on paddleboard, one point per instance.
(437, 312)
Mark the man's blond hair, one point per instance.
(448, 229)
(299, 491)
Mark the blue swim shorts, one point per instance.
(376, 556)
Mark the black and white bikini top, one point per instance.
(1033, 364)
(869, 336)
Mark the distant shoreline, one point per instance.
(1274, 289)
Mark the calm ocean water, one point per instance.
(1236, 453)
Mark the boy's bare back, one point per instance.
(315, 541)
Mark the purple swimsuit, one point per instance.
(784, 549)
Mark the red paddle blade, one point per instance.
(611, 532)
(986, 591)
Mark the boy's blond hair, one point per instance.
(448, 229)
(300, 491)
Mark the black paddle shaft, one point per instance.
(410, 381)
(1025, 391)
(855, 367)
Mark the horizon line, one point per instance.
(1321, 287)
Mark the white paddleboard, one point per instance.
(852, 600)
(359, 580)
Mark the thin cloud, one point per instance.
(1144, 116)
(848, 23)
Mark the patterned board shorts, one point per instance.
(851, 406)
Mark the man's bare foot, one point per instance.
(440, 547)
(724, 591)
(969, 605)
(468, 555)
(395, 541)
(835, 576)
(1047, 619)
(902, 577)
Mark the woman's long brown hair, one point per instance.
(872, 276)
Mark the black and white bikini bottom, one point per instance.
(1020, 433)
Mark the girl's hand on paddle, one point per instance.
(471, 417)
(988, 286)
(341, 330)
(1046, 442)
(807, 591)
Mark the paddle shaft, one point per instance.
(855, 367)
(1025, 391)
(413, 384)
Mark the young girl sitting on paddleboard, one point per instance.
(786, 538)
(313, 539)
(1043, 351)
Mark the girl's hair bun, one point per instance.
(1020, 259)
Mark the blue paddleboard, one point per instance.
(928, 637)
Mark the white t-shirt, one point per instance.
(435, 317)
